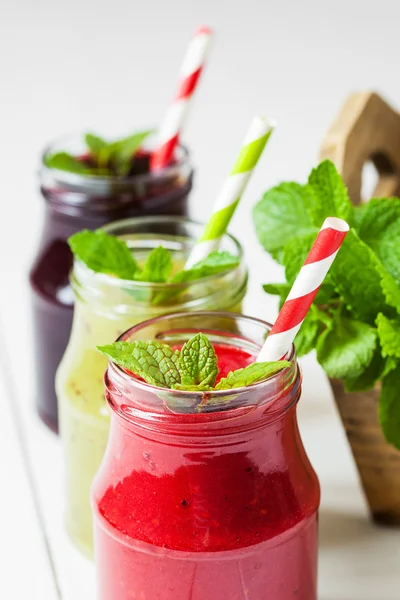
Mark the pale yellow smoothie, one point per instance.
(105, 307)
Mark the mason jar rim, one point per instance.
(183, 159)
(160, 287)
(288, 372)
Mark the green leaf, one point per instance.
(198, 363)
(95, 143)
(103, 253)
(375, 371)
(158, 266)
(282, 214)
(389, 336)
(154, 362)
(251, 374)
(214, 263)
(356, 276)
(123, 150)
(346, 349)
(65, 162)
(389, 407)
(390, 289)
(295, 253)
(310, 330)
(379, 228)
(330, 194)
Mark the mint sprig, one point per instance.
(105, 158)
(104, 253)
(354, 324)
(194, 368)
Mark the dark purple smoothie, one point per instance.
(74, 202)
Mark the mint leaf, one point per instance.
(154, 362)
(356, 276)
(310, 330)
(158, 266)
(376, 370)
(282, 214)
(346, 349)
(95, 143)
(295, 253)
(390, 289)
(216, 262)
(389, 336)
(251, 374)
(389, 407)
(103, 253)
(379, 228)
(197, 362)
(123, 150)
(330, 194)
(65, 162)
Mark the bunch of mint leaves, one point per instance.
(104, 253)
(104, 158)
(193, 368)
(354, 323)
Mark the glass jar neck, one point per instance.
(115, 197)
(113, 297)
(196, 415)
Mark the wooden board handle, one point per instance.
(366, 129)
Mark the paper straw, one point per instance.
(304, 290)
(232, 190)
(171, 128)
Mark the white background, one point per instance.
(111, 67)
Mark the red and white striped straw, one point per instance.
(171, 128)
(304, 290)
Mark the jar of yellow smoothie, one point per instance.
(106, 306)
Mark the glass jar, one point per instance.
(105, 307)
(75, 202)
(205, 497)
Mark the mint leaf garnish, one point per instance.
(282, 214)
(389, 407)
(216, 262)
(95, 143)
(123, 150)
(194, 368)
(346, 349)
(251, 374)
(65, 162)
(103, 253)
(197, 362)
(330, 194)
(156, 363)
(106, 158)
(157, 267)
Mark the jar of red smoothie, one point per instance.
(73, 202)
(206, 496)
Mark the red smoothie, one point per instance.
(207, 506)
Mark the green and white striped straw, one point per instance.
(232, 190)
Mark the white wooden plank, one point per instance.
(75, 574)
(27, 569)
